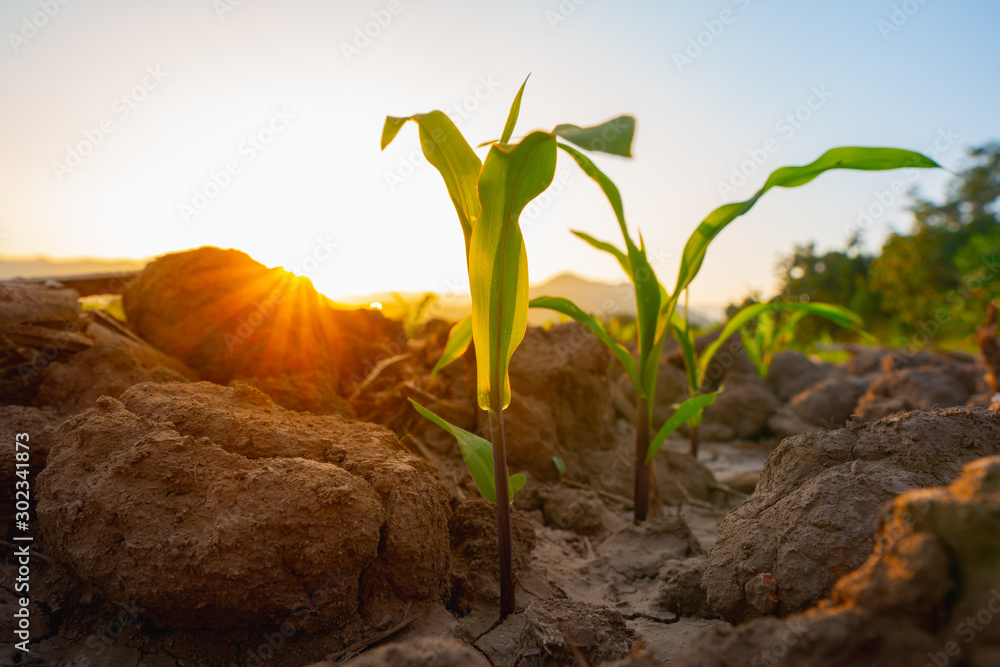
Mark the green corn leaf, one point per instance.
(515, 110)
(608, 248)
(516, 483)
(846, 157)
(687, 410)
(478, 455)
(650, 371)
(608, 187)
(647, 287)
(560, 465)
(567, 307)
(445, 148)
(498, 265)
(647, 301)
(754, 348)
(459, 339)
(837, 314)
(613, 136)
(685, 337)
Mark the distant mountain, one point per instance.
(48, 268)
(605, 300)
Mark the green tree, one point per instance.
(936, 280)
(838, 276)
(929, 284)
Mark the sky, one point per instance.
(135, 128)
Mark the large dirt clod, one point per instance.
(229, 317)
(911, 388)
(210, 506)
(810, 519)
(115, 361)
(831, 401)
(929, 594)
(792, 372)
(744, 406)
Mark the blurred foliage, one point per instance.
(622, 328)
(413, 314)
(929, 285)
(108, 303)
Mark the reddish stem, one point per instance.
(642, 469)
(504, 533)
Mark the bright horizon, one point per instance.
(164, 98)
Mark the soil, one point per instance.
(265, 503)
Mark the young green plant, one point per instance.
(859, 158)
(697, 365)
(489, 197)
(770, 335)
(649, 299)
(656, 309)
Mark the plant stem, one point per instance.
(642, 469)
(694, 441)
(504, 532)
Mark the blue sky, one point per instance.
(256, 116)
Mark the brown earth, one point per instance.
(809, 520)
(230, 318)
(928, 594)
(115, 361)
(791, 373)
(326, 501)
(39, 428)
(197, 524)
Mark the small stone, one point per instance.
(762, 593)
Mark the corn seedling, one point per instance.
(768, 337)
(413, 313)
(697, 365)
(656, 309)
(846, 157)
(489, 197)
(560, 466)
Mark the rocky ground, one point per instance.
(236, 477)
